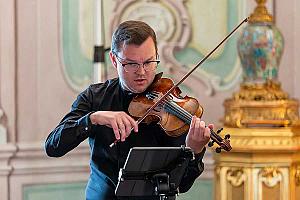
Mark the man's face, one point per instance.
(139, 80)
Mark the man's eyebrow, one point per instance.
(130, 60)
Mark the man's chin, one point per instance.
(140, 90)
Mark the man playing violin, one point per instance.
(100, 113)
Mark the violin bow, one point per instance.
(186, 76)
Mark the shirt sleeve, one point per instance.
(194, 169)
(74, 128)
(195, 166)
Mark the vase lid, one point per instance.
(261, 13)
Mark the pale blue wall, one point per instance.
(202, 190)
(67, 191)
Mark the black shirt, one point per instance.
(75, 127)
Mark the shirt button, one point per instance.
(86, 128)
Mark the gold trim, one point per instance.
(264, 139)
(271, 176)
(261, 13)
(236, 176)
(261, 105)
(268, 91)
(297, 175)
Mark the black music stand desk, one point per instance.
(153, 173)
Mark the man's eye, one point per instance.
(133, 64)
(150, 63)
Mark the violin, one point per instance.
(174, 114)
(163, 103)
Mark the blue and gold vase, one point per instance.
(261, 101)
(260, 47)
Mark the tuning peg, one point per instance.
(211, 143)
(218, 150)
(227, 136)
(219, 130)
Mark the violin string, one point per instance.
(173, 108)
(186, 116)
(178, 111)
(182, 112)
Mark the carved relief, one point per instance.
(297, 175)
(262, 142)
(236, 176)
(261, 104)
(217, 171)
(270, 176)
(163, 16)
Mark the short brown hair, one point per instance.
(132, 32)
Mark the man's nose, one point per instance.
(141, 69)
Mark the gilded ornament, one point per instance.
(261, 105)
(270, 176)
(297, 175)
(236, 176)
(261, 13)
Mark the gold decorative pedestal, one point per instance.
(263, 165)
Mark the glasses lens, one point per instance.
(131, 67)
(150, 65)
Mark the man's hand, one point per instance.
(198, 135)
(120, 122)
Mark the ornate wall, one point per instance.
(44, 63)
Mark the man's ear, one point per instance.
(113, 59)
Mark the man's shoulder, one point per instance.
(110, 83)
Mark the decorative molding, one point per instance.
(297, 175)
(287, 144)
(30, 166)
(32, 159)
(8, 72)
(236, 176)
(7, 151)
(266, 139)
(75, 64)
(3, 130)
(270, 176)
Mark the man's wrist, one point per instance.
(199, 155)
(92, 118)
(199, 151)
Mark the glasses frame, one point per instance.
(157, 61)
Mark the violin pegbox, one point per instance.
(223, 143)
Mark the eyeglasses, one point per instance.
(149, 65)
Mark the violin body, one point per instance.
(174, 114)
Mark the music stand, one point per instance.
(153, 173)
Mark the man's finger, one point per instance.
(192, 126)
(116, 130)
(133, 124)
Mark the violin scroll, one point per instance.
(223, 143)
